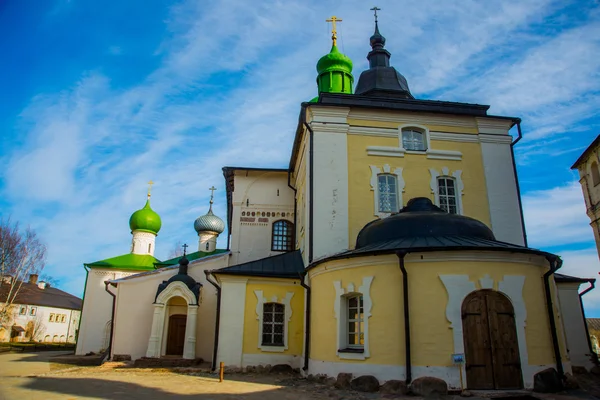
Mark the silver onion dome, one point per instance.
(209, 222)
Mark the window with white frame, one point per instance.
(51, 318)
(273, 324)
(282, 236)
(447, 194)
(414, 140)
(23, 311)
(33, 311)
(355, 319)
(387, 185)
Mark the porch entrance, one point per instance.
(491, 345)
(176, 335)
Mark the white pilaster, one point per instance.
(143, 243)
(157, 331)
(231, 328)
(189, 347)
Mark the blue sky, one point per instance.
(99, 97)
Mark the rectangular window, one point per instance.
(33, 311)
(283, 233)
(63, 318)
(447, 195)
(273, 317)
(51, 319)
(413, 140)
(23, 311)
(356, 338)
(388, 193)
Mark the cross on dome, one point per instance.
(150, 183)
(185, 246)
(375, 9)
(333, 20)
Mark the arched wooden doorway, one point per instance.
(491, 345)
(176, 335)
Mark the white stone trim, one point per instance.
(141, 240)
(411, 118)
(502, 139)
(457, 176)
(459, 287)
(233, 307)
(287, 303)
(454, 137)
(157, 339)
(295, 361)
(339, 308)
(375, 172)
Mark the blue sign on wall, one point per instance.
(458, 358)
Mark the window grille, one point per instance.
(273, 320)
(282, 239)
(413, 140)
(388, 193)
(447, 195)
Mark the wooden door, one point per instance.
(491, 346)
(176, 335)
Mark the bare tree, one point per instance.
(176, 250)
(21, 254)
(35, 328)
(50, 280)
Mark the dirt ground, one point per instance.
(38, 376)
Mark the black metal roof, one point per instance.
(286, 265)
(31, 294)
(586, 152)
(421, 218)
(561, 278)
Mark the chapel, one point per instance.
(392, 245)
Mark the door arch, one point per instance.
(491, 344)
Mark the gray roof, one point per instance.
(286, 265)
(31, 294)
(586, 152)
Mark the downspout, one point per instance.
(593, 355)
(514, 164)
(306, 322)
(295, 205)
(112, 320)
(218, 319)
(555, 264)
(311, 187)
(87, 273)
(401, 255)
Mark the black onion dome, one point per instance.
(421, 218)
(182, 276)
(377, 40)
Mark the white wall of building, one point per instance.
(55, 331)
(135, 297)
(97, 308)
(574, 325)
(259, 199)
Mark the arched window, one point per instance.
(447, 194)
(149, 247)
(595, 173)
(207, 246)
(414, 140)
(387, 185)
(282, 239)
(273, 322)
(47, 338)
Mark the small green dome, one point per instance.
(146, 220)
(334, 61)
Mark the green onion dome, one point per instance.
(146, 220)
(334, 61)
(334, 73)
(209, 223)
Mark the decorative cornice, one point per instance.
(454, 137)
(410, 118)
(328, 114)
(494, 138)
(331, 127)
(431, 154)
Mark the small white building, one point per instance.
(40, 313)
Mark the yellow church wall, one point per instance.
(432, 341)
(279, 289)
(437, 128)
(416, 177)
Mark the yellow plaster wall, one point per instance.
(431, 336)
(416, 177)
(270, 288)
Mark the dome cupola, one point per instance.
(381, 79)
(334, 69)
(145, 219)
(209, 222)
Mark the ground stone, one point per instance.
(394, 387)
(466, 393)
(428, 385)
(281, 369)
(365, 383)
(330, 381)
(547, 381)
(595, 370)
(343, 380)
(570, 382)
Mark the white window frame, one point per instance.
(360, 320)
(386, 170)
(33, 311)
(421, 131)
(341, 314)
(458, 186)
(286, 301)
(447, 196)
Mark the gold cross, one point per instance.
(150, 183)
(333, 20)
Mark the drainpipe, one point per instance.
(295, 205)
(112, 320)
(593, 355)
(218, 320)
(306, 322)
(87, 273)
(401, 255)
(555, 264)
(514, 164)
(311, 163)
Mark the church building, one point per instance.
(392, 245)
